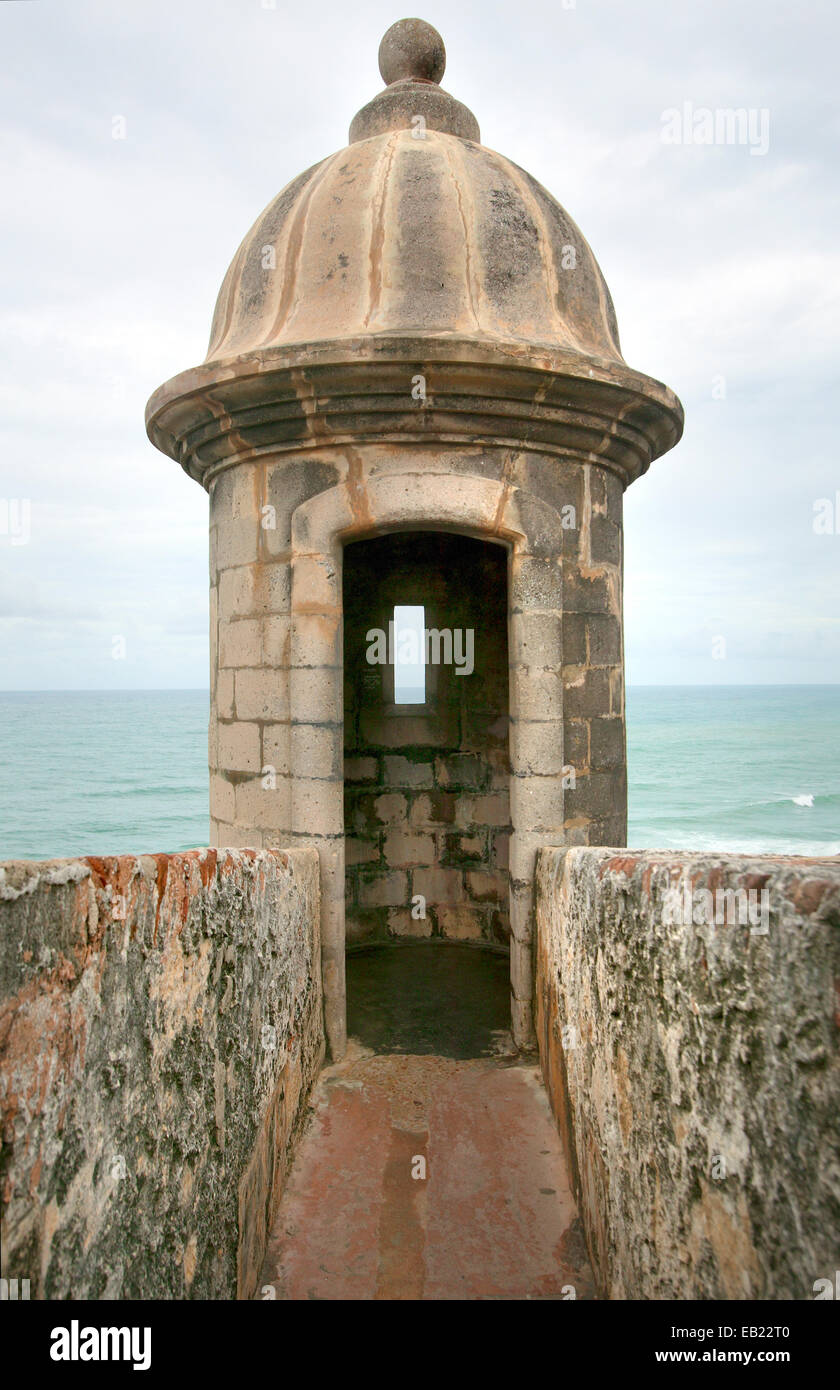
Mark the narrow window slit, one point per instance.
(409, 655)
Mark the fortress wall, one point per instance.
(160, 1027)
(694, 1068)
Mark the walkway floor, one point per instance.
(431, 1167)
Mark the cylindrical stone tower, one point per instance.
(415, 338)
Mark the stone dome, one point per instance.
(415, 247)
(404, 235)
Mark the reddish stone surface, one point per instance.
(493, 1217)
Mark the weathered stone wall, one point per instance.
(160, 1026)
(426, 796)
(694, 1069)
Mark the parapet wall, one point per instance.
(160, 1027)
(694, 1066)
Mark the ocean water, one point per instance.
(746, 768)
(102, 772)
(755, 769)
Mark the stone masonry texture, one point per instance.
(160, 1029)
(694, 1069)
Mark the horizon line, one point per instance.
(205, 689)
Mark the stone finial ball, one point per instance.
(412, 48)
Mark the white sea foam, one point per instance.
(696, 842)
(806, 799)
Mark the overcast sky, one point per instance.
(724, 266)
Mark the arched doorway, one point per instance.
(427, 770)
(528, 529)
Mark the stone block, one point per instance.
(458, 922)
(501, 849)
(266, 807)
(462, 849)
(318, 806)
(605, 541)
(536, 804)
(237, 836)
(317, 695)
(536, 747)
(276, 638)
(317, 750)
(604, 633)
(536, 695)
(361, 769)
(361, 851)
(586, 593)
(239, 747)
(611, 830)
(406, 772)
(254, 590)
(234, 508)
(316, 584)
(536, 584)
(597, 486)
(360, 810)
(401, 849)
(224, 694)
(522, 1023)
(262, 695)
(222, 799)
(498, 761)
(391, 808)
(487, 887)
(482, 729)
(586, 692)
(606, 742)
(403, 731)
(240, 643)
(438, 885)
(492, 809)
(401, 923)
(575, 651)
(524, 847)
(594, 796)
(576, 744)
(316, 639)
(384, 889)
(276, 748)
(433, 808)
(467, 771)
(536, 640)
(521, 969)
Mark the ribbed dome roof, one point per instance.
(413, 249)
(398, 234)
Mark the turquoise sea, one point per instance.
(750, 768)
